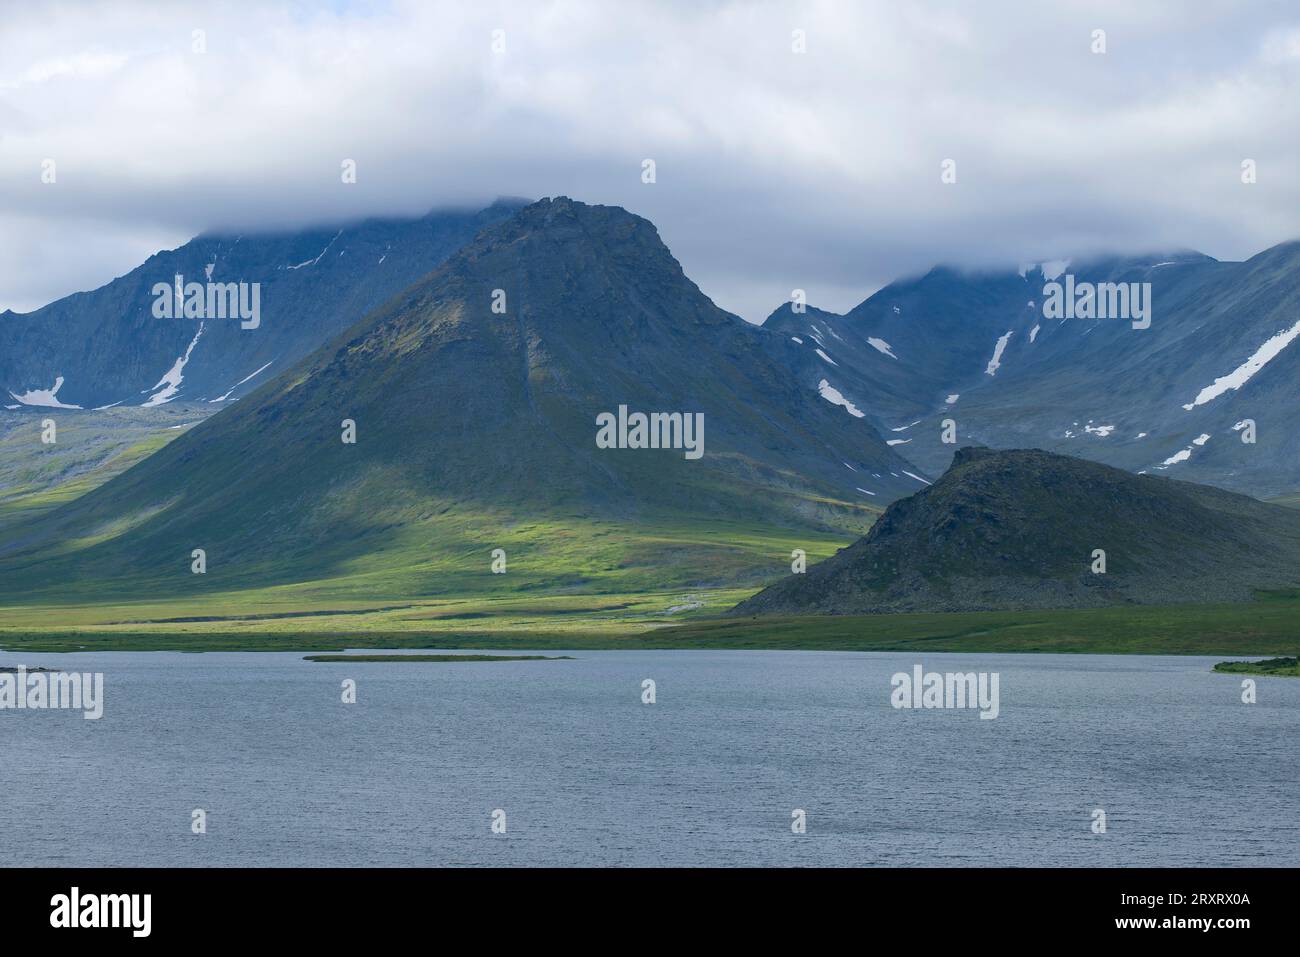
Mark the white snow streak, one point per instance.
(834, 396)
(239, 383)
(312, 262)
(1240, 375)
(44, 398)
(170, 384)
(1177, 457)
(880, 345)
(996, 362)
(827, 358)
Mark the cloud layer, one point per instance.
(775, 169)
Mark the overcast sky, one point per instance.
(775, 169)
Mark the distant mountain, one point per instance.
(1174, 398)
(107, 347)
(479, 391)
(1019, 529)
(900, 353)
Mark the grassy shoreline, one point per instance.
(377, 659)
(641, 620)
(1261, 628)
(1273, 667)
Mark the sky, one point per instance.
(776, 168)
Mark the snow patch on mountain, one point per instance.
(312, 262)
(826, 357)
(835, 397)
(1185, 454)
(44, 398)
(1177, 457)
(170, 384)
(996, 362)
(880, 345)
(1240, 375)
(223, 398)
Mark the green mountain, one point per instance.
(476, 396)
(1020, 529)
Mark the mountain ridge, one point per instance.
(1023, 529)
(106, 346)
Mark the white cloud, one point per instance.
(775, 170)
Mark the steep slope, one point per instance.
(1018, 530)
(107, 347)
(1174, 397)
(900, 353)
(460, 408)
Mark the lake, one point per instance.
(709, 774)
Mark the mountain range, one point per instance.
(1214, 370)
(422, 390)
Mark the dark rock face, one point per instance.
(1019, 529)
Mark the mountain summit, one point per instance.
(1025, 529)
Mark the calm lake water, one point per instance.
(708, 775)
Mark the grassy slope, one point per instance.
(584, 585)
(632, 621)
(571, 584)
(91, 448)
